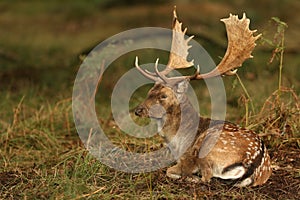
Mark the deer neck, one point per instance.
(180, 126)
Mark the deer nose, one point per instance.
(139, 111)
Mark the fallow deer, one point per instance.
(215, 148)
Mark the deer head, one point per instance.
(168, 93)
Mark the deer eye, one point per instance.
(163, 96)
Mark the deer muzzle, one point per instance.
(155, 111)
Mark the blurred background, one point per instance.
(41, 42)
(42, 45)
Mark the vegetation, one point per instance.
(41, 155)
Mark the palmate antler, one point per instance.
(241, 43)
(179, 47)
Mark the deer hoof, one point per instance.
(174, 172)
(193, 179)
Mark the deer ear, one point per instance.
(182, 86)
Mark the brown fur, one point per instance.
(217, 149)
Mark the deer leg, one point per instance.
(206, 175)
(175, 171)
(185, 167)
(206, 172)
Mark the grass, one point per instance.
(41, 155)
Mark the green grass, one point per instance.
(41, 155)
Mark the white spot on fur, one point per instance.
(255, 154)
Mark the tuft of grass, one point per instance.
(278, 45)
(246, 99)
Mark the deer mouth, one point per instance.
(154, 113)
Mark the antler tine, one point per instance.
(241, 43)
(159, 74)
(145, 72)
